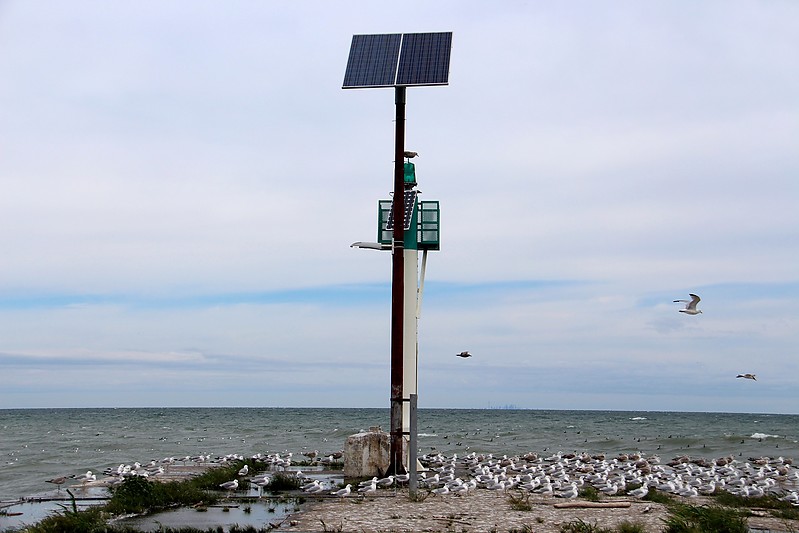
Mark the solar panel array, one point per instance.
(398, 59)
(409, 198)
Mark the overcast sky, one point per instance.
(180, 183)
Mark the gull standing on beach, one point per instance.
(368, 489)
(343, 492)
(690, 305)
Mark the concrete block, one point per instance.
(367, 454)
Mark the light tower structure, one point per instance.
(401, 60)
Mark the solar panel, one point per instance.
(409, 198)
(398, 59)
(373, 60)
(424, 59)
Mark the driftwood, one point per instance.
(592, 505)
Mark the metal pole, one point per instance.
(397, 285)
(412, 480)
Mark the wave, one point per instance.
(763, 436)
(638, 418)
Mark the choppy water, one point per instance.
(40, 444)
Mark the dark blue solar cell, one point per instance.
(424, 59)
(409, 197)
(372, 61)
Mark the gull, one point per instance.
(441, 490)
(59, 480)
(690, 305)
(230, 485)
(343, 492)
(640, 492)
(87, 477)
(570, 492)
(320, 487)
(463, 354)
(368, 489)
(308, 486)
(262, 482)
(610, 489)
(385, 482)
(244, 470)
(747, 376)
(409, 154)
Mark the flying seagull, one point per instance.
(463, 354)
(747, 376)
(690, 306)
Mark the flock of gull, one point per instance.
(559, 475)
(565, 475)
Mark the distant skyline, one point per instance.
(180, 183)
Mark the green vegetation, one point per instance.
(92, 520)
(137, 495)
(776, 507)
(283, 481)
(705, 519)
(655, 496)
(589, 493)
(579, 526)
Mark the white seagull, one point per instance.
(690, 305)
(343, 492)
(747, 376)
(368, 489)
(230, 485)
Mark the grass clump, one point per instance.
(283, 481)
(631, 527)
(91, 520)
(579, 526)
(770, 502)
(705, 519)
(589, 493)
(656, 496)
(520, 501)
(138, 495)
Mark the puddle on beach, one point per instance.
(260, 515)
(264, 509)
(20, 515)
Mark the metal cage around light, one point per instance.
(428, 218)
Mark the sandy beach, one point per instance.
(478, 511)
(482, 511)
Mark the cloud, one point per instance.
(178, 203)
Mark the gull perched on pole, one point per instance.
(690, 305)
